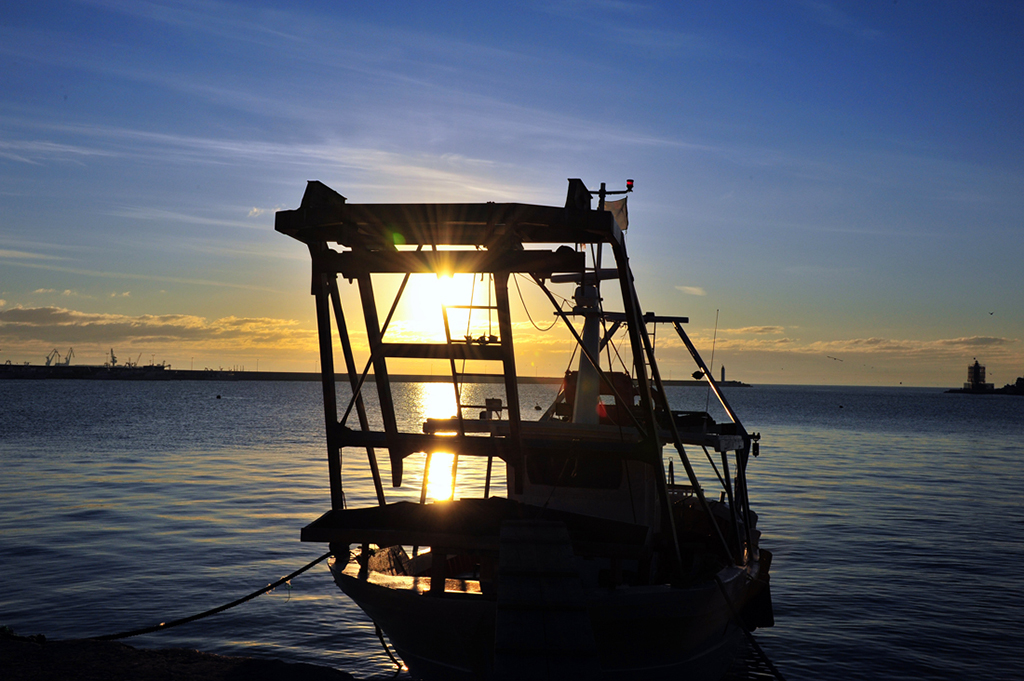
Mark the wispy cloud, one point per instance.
(939, 348)
(941, 345)
(143, 277)
(435, 175)
(67, 293)
(49, 325)
(818, 270)
(25, 255)
(161, 215)
(637, 25)
(758, 330)
(827, 14)
(692, 290)
(36, 151)
(584, 7)
(786, 344)
(219, 19)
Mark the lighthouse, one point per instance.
(976, 378)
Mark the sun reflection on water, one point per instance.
(437, 400)
(439, 482)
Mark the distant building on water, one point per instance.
(976, 379)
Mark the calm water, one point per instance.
(895, 516)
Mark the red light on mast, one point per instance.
(629, 185)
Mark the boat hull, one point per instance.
(640, 632)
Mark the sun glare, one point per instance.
(422, 316)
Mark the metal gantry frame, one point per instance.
(370, 236)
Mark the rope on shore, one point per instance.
(214, 611)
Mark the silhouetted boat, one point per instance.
(594, 563)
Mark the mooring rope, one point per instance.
(380, 635)
(214, 611)
(758, 650)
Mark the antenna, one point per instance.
(602, 192)
(711, 369)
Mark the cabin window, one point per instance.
(562, 469)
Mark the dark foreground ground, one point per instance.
(33, 658)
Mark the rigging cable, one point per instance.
(614, 347)
(214, 611)
(714, 340)
(515, 278)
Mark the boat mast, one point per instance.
(588, 304)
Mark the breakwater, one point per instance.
(158, 372)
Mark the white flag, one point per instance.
(618, 211)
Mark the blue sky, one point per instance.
(831, 179)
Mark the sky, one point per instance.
(833, 192)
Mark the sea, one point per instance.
(895, 516)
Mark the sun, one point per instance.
(421, 314)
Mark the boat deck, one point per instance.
(469, 525)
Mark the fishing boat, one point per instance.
(587, 560)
